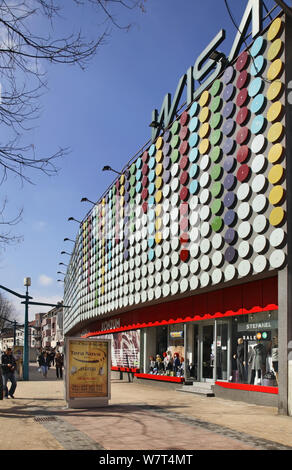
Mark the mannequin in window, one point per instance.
(159, 364)
(239, 356)
(275, 356)
(176, 363)
(167, 362)
(151, 364)
(257, 361)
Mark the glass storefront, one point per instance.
(239, 349)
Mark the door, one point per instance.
(207, 352)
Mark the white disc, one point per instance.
(277, 259)
(243, 192)
(217, 241)
(194, 282)
(258, 143)
(217, 258)
(217, 276)
(259, 243)
(258, 163)
(230, 272)
(259, 203)
(244, 230)
(260, 224)
(277, 237)
(244, 268)
(259, 263)
(204, 279)
(244, 210)
(258, 183)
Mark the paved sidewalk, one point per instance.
(140, 416)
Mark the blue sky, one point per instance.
(103, 115)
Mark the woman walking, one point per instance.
(59, 361)
(44, 362)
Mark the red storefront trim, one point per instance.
(125, 369)
(252, 297)
(249, 388)
(164, 378)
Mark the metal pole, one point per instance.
(25, 348)
(14, 333)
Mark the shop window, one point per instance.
(254, 345)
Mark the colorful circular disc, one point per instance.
(194, 123)
(274, 29)
(242, 116)
(257, 103)
(215, 104)
(229, 199)
(255, 87)
(274, 90)
(228, 75)
(242, 79)
(217, 224)
(204, 114)
(243, 173)
(216, 87)
(184, 118)
(275, 69)
(242, 135)
(229, 164)
(257, 65)
(184, 133)
(228, 109)
(243, 154)
(216, 120)
(276, 216)
(216, 153)
(242, 61)
(228, 127)
(276, 195)
(275, 153)
(204, 146)
(274, 111)
(204, 99)
(228, 92)
(275, 174)
(175, 127)
(257, 124)
(257, 46)
(204, 130)
(242, 97)
(258, 143)
(275, 49)
(215, 137)
(275, 132)
(193, 140)
(194, 109)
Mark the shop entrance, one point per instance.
(207, 353)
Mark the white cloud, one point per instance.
(45, 280)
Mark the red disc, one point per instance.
(184, 255)
(242, 115)
(117, 184)
(184, 178)
(184, 133)
(242, 79)
(242, 135)
(145, 169)
(242, 61)
(183, 163)
(242, 154)
(242, 173)
(242, 97)
(184, 194)
(184, 118)
(144, 193)
(184, 148)
(184, 224)
(145, 157)
(145, 207)
(184, 208)
(145, 181)
(184, 238)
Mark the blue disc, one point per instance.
(255, 86)
(151, 214)
(257, 65)
(228, 92)
(194, 109)
(166, 149)
(151, 242)
(151, 255)
(193, 140)
(151, 201)
(138, 175)
(229, 199)
(230, 236)
(194, 186)
(193, 125)
(257, 46)
(257, 103)
(229, 217)
(139, 187)
(151, 188)
(228, 127)
(194, 154)
(228, 75)
(257, 124)
(167, 136)
(152, 150)
(151, 228)
(152, 162)
(228, 146)
(228, 109)
(139, 163)
(194, 170)
(152, 175)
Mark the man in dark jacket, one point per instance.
(8, 371)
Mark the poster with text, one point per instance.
(88, 368)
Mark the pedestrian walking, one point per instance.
(8, 371)
(44, 362)
(52, 357)
(59, 360)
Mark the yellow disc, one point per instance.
(158, 182)
(274, 29)
(276, 195)
(205, 96)
(121, 212)
(275, 174)
(122, 200)
(159, 169)
(122, 179)
(275, 153)
(122, 190)
(274, 111)
(159, 156)
(276, 216)
(204, 114)
(204, 130)
(275, 132)
(158, 209)
(275, 69)
(274, 90)
(159, 143)
(158, 224)
(103, 202)
(204, 146)
(102, 289)
(158, 196)
(158, 237)
(274, 49)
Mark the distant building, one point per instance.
(52, 328)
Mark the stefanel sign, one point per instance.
(202, 70)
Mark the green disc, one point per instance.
(216, 154)
(216, 206)
(132, 191)
(216, 103)
(216, 120)
(175, 155)
(132, 180)
(216, 172)
(133, 169)
(175, 141)
(215, 137)
(217, 223)
(175, 127)
(216, 88)
(216, 189)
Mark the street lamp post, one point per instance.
(27, 283)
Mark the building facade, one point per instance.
(52, 329)
(184, 262)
